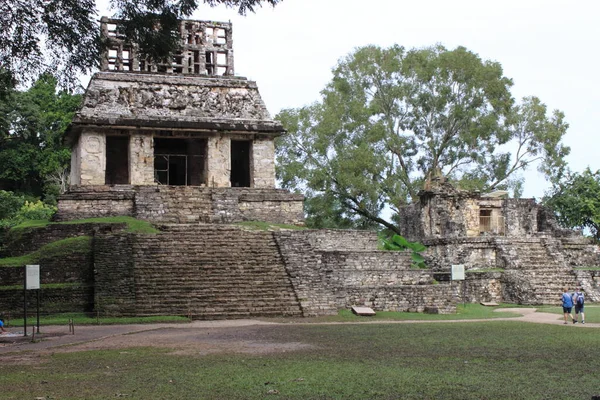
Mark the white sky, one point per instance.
(550, 48)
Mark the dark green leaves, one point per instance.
(576, 201)
(399, 243)
(391, 119)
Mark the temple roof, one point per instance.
(165, 101)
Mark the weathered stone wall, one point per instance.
(91, 157)
(27, 240)
(114, 274)
(330, 269)
(341, 240)
(141, 159)
(167, 97)
(96, 201)
(440, 298)
(75, 173)
(473, 252)
(303, 266)
(219, 161)
(52, 300)
(208, 271)
(521, 217)
(263, 165)
(70, 275)
(481, 286)
(182, 204)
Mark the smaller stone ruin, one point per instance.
(512, 249)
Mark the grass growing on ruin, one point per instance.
(59, 248)
(133, 225)
(493, 360)
(83, 319)
(268, 226)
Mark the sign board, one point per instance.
(458, 272)
(32, 277)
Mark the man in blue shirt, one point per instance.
(567, 304)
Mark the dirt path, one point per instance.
(199, 337)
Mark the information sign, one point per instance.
(32, 277)
(458, 272)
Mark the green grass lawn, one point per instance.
(463, 311)
(475, 360)
(83, 319)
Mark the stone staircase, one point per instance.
(210, 272)
(535, 270)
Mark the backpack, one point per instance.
(579, 299)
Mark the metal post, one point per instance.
(38, 310)
(24, 301)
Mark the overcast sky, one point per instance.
(550, 48)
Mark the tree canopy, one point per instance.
(576, 201)
(32, 125)
(62, 37)
(390, 119)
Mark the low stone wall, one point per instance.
(473, 252)
(182, 204)
(26, 240)
(357, 274)
(441, 298)
(303, 266)
(341, 239)
(114, 274)
(68, 299)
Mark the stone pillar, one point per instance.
(219, 162)
(75, 175)
(263, 163)
(92, 158)
(141, 159)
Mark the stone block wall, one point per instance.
(27, 240)
(70, 276)
(182, 204)
(219, 161)
(520, 216)
(114, 275)
(440, 298)
(338, 269)
(342, 240)
(303, 265)
(263, 167)
(141, 156)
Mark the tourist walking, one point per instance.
(567, 304)
(578, 300)
(2, 330)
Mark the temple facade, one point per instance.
(188, 129)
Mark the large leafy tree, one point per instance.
(576, 201)
(62, 36)
(391, 119)
(32, 125)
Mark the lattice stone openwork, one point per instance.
(206, 48)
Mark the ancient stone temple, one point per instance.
(184, 141)
(512, 249)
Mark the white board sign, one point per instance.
(458, 272)
(32, 277)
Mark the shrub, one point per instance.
(35, 211)
(10, 204)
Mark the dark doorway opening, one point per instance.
(180, 161)
(240, 163)
(117, 160)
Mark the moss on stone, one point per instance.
(133, 225)
(59, 248)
